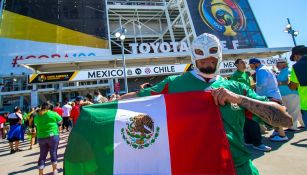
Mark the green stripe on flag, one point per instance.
(94, 136)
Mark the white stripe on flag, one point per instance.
(154, 159)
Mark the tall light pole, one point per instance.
(121, 35)
(291, 31)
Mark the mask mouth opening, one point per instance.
(207, 70)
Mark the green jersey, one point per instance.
(232, 116)
(47, 124)
(244, 78)
(241, 77)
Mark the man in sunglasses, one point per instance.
(206, 57)
(267, 85)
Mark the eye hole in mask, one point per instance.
(199, 52)
(213, 50)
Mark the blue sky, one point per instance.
(271, 16)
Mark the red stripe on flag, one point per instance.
(164, 91)
(197, 139)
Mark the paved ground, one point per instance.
(288, 158)
(25, 162)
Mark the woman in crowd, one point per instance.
(3, 120)
(32, 129)
(46, 122)
(16, 132)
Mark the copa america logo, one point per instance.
(223, 16)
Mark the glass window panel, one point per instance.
(248, 14)
(86, 16)
(242, 3)
(252, 26)
(256, 39)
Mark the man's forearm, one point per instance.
(270, 112)
(128, 95)
(280, 83)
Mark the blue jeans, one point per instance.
(48, 144)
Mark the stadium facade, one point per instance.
(58, 49)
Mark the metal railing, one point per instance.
(137, 2)
(22, 87)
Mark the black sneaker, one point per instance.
(18, 150)
(13, 151)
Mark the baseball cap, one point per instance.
(79, 98)
(254, 61)
(281, 60)
(298, 50)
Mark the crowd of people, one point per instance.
(274, 86)
(263, 96)
(44, 124)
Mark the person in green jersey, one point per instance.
(240, 75)
(252, 133)
(207, 56)
(46, 122)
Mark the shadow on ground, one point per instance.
(276, 145)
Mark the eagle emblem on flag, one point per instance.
(140, 132)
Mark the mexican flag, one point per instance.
(164, 134)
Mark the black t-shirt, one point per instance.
(32, 118)
(14, 118)
(301, 71)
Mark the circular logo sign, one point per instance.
(147, 70)
(138, 71)
(42, 78)
(223, 16)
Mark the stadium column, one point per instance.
(68, 96)
(34, 96)
(21, 98)
(60, 92)
(1, 102)
(111, 86)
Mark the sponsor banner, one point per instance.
(157, 47)
(132, 72)
(13, 51)
(231, 63)
(232, 21)
(228, 67)
(51, 77)
(99, 74)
